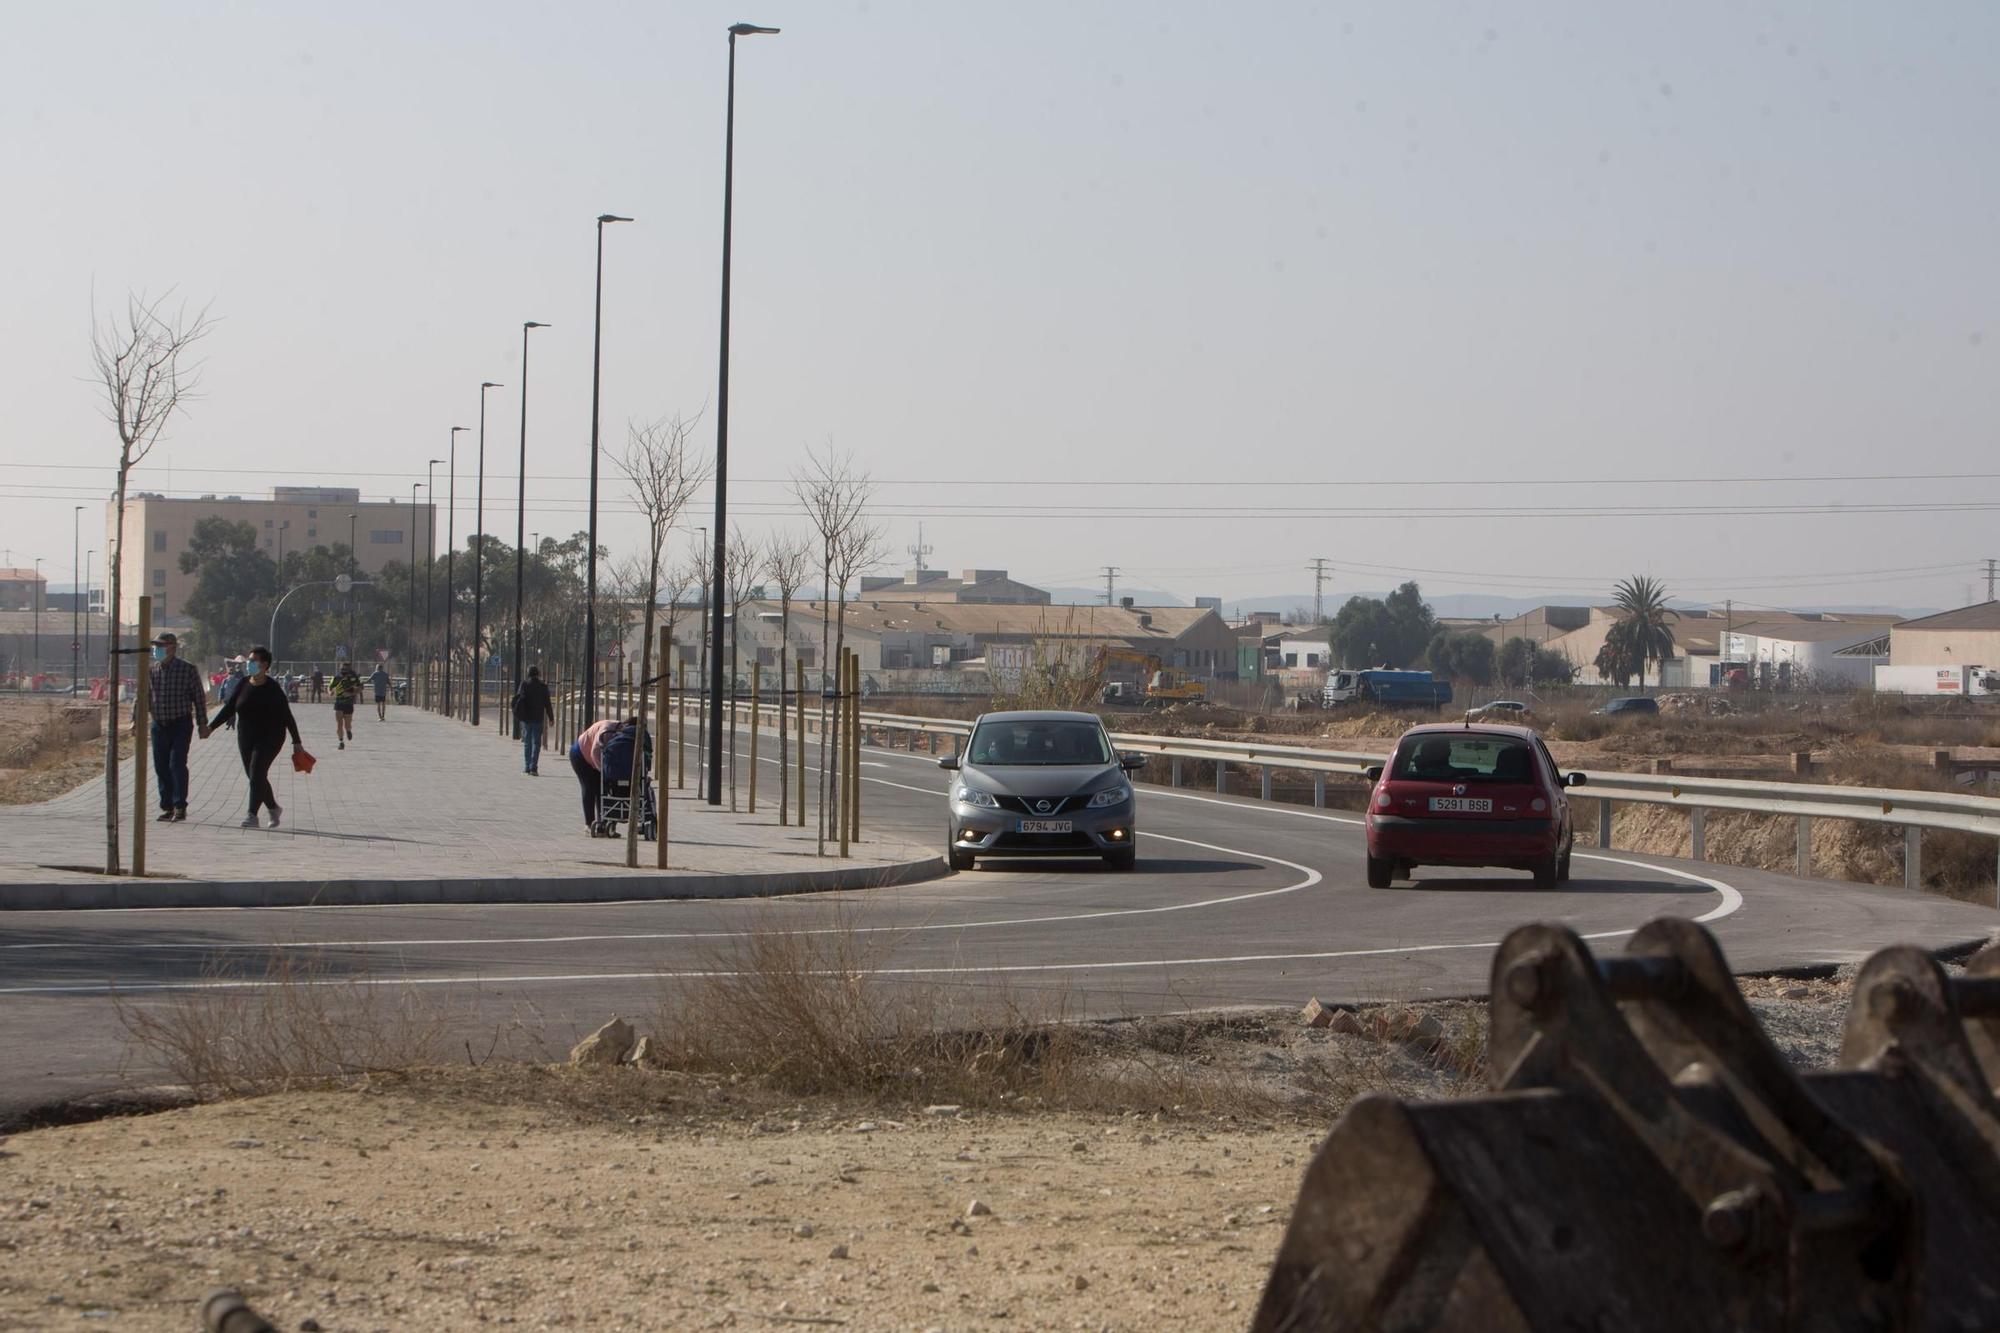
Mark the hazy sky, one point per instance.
(1200, 291)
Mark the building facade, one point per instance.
(1969, 636)
(291, 518)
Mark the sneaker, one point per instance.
(341, 746)
(251, 822)
(166, 817)
(277, 813)
(180, 814)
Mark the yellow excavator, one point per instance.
(1158, 685)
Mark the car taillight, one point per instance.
(1382, 801)
(1538, 805)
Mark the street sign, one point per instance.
(381, 654)
(75, 646)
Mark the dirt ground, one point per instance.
(555, 1197)
(37, 761)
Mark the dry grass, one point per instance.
(295, 1026)
(38, 758)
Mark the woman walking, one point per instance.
(266, 716)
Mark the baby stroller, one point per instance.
(614, 802)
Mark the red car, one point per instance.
(1470, 795)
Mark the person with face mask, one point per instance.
(260, 704)
(178, 701)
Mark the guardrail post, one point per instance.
(1698, 832)
(1264, 784)
(1913, 857)
(1174, 779)
(1802, 867)
(1222, 777)
(1604, 823)
(1319, 791)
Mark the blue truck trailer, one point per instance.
(1386, 688)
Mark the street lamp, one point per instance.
(430, 552)
(410, 624)
(353, 572)
(88, 556)
(722, 427)
(479, 559)
(521, 504)
(279, 573)
(590, 564)
(450, 544)
(77, 594)
(35, 595)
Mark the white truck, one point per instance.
(1945, 681)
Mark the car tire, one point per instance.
(1548, 872)
(1123, 859)
(958, 860)
(1562, 868)
(1381, 872)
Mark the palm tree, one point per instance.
(1642, 603)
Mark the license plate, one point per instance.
(1463, 805)
(1045, 826)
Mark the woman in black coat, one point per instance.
(259, 703)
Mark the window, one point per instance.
(159, 578)
(267, 522)
(1436, 757)
(1291, 659)
(312, 532)
(312, 513)
(159, 541)
(1312, 659)
(386, 537)
(1039, 744)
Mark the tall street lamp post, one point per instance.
(430, 551)
(278, 574)
(410, 624)
(479, 561)
(353, 575)
(521, 507)
(88, 557)
(590, 561)
(35, 592)
(722, 427)
(77, 595)
(450, 543)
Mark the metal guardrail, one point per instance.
(1912, 811)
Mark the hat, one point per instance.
(167, 640)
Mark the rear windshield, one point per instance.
(1039, 743)
(1470, 758)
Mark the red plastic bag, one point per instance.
(303, 761)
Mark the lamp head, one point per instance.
(434, 462)
(456, 429)
(745, 29)
(611, 217)
(534, 324)
(491, 384)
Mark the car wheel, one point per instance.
(1381, 872)
(1562, 869)
(1548, 871)
(1123, 859)
(958, 860)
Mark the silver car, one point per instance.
(1041, 784)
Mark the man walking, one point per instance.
(380, 680)
(177, 701)
(319, 683)
(533, 710)
(346, 690)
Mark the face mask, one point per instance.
(159, 654)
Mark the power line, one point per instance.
(1111, 585)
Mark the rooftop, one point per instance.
(1982, 615)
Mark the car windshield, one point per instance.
(1039, 743)
(1463, 758)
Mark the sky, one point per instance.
(1508, 299)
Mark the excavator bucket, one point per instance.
(1648, 1161)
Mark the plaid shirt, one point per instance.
(177, 692)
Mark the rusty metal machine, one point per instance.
(1648, 1161)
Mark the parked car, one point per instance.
(1499, 710)
(1636, 705)
(1041, 784)
(1468, 795)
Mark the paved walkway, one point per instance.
(414, 799)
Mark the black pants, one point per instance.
(258, 754)
(590, 780)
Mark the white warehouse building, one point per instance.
(1808, 653)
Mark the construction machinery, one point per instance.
(1648, 1161)
(1157, 686)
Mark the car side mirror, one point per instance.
(1133, 762)
(1373, 772)
(949, 763)
(1574, 779)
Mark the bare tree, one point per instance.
(834, 496)
(141, 362)
(664, 476)
(787, 556)
(744, 562)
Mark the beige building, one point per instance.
(1969, 636)
(22, 589)
(1579, 634)
(971, 586)
(291, 518)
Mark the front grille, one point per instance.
(1022, 805)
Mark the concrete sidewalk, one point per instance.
(416, 809)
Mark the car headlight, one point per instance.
(1110, 796)
(973, 796)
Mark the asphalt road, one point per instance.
(1234, 903)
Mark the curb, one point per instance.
(119, 894)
